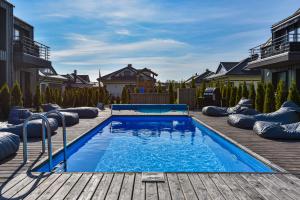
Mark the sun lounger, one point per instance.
(287, 114)
(244, 107)
(273, 130)
(9, 144)
(83, 112)
(34, 129)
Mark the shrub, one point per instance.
(171, 93)
(136, 90)
(239, 93)
(228, 93)
(37, 101)
(269, 102)
(294, 93)
(233, 96)
(193, 83)
(16, 95)
(202, 89)
(252, 94)
(245, 92)
(48, 95)
(223, 94)
(159, 88)
(259, 98)
(125, 96)
(182, 85)
(5, 101)
(280, 96)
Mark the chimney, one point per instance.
(129, 65)
(75, 75)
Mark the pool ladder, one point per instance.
(45, 127)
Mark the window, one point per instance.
(3, 29)
(280, 76)
(16, 34)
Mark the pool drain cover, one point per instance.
(153, 177)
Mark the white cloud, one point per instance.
(123, 32)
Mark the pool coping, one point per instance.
(247, 150)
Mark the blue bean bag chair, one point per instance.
(273, 130)
(70, 118)
(34, 128)
(287, 114)
(18, 115)
(83, 112)
(9, 144)
(243, 107)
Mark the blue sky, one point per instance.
(175, 38)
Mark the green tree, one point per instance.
(48, 95)
(5, 101)
(233, 96)
(259, 99)
(124, 96)
(239, 94)
(136, 90)
(202, 89)
(182, 85)
(159, 88)
(171, 93)
(193, 83)
(245, 92)
(280, 96)
(269, 102)
(294, 93)
(16, 95)
(37, 100)
(228, 93)
(252, 94)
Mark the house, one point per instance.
(199, 78)
(279, 57)
(75, 80)
(235, 72)
(21, 57)
(143, 79)
(49, 78)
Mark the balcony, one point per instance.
(284, 50)
(31, 53)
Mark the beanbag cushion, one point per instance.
(70, 118)
(18, 115)
(34, 128)
(49, 106)
(83, 112)
(276, 130)
(9, 144)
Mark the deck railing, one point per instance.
(277, 46)
(31, 47)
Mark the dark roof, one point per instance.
(148, 70)
(293, 16)
(199, 77)
(76, 78)
(241, 69)
(85, 77)
(228, 65)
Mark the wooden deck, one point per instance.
(15, 183)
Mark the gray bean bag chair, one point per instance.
(34, 128)
(9, 144)
(83, 112)
(287, 114)
(244, 107)
(18, 115)
(70, 118)
(273, 130)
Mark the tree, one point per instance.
(16, 95)
(5, 101)
(233, 96)
(294, 93)
(124, 96)
(182, 85)
(48, 95)
(228, 92)
(280, 96)
(239, 94)
(245, 92)
(269, 103)
(37, 101)
(252, 94)
(202, 89)
(223, 94)
(159, 88)
(136, 90)
(171, 93)
(193, 83)
(259, 98)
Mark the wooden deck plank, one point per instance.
(103, 186)
(114, 191)
(66, 187)
(127, 187)
(211, 187)
(139, 190)
(151, 191)
(199, 187)
(176, 191)
(90, 187)
(42, 187)
(6, 186)
(78, 188)
(55, 186)
(163, 190)
(187, 188)
(222, 186)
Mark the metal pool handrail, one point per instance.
(45, 121)
(64, 133)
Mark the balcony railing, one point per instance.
(31, 47)
(285, 43)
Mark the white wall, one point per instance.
(115, 89)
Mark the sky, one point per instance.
(175, 38)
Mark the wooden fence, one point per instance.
(187, 96)
(149, 98)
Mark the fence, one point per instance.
(187, 96)
(149, 98)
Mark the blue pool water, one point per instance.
(156, 144)
(152, 108)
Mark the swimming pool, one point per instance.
(155, 144)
